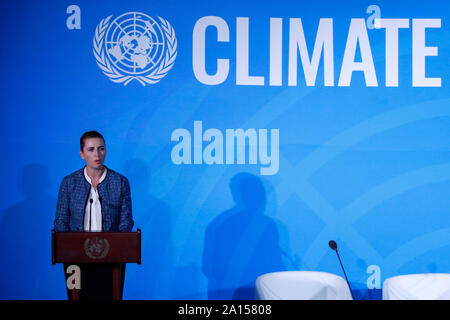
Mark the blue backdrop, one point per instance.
(368, 166)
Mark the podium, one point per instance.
(114, 248)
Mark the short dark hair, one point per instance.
(90, 134)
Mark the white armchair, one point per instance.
(301, 285)
(426, 286)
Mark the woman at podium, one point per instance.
(94, 199)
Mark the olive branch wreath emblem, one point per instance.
(114, 75)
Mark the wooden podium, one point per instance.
(113, 248)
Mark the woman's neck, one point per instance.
(95, 174)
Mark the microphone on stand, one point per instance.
(333, 245)
(90, 212)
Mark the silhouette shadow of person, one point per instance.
(25, 249)
(241, 243)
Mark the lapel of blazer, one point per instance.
(83, 198)
(103, 191)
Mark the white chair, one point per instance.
(301, 285)
(426, 286)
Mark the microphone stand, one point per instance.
(90, 213)
(346, 279)
(333, 245)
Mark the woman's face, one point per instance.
(94, 152)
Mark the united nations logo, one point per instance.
(96, 248)
(135, 46)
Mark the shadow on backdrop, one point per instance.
(241, 243)
(25, 249)
(152, 278)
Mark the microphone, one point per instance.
(90, 212)
(333, 245)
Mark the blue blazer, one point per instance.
(115, 195)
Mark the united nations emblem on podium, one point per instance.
(96, 248)
(135, 46)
